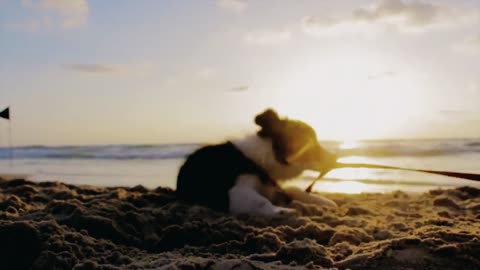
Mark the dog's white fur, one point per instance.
(245, 197)
(260, 151)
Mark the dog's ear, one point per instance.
(267, 120)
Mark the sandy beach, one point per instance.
(51, 225)
(106, 107)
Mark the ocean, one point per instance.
(157, 165)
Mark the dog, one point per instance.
(244, 176)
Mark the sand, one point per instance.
(51, 225)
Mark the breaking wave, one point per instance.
(401, 148)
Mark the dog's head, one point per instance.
(294, 142)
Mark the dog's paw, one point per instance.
(319, 200)
(310, 198)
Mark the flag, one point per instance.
(5, 113)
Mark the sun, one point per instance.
(350, 97)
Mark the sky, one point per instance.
(84, 72)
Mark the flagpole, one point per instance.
(10, 142)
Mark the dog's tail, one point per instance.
(300, 195)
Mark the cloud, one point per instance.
(319, 26)
(414, 13)
(93, 68)
(470, 45)
(130, 69)
(406, 16)
(267, 37)
(240, 88)
(50, 14)
(237, 6)
(474, 41)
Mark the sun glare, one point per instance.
(356, 159)
(348, 187)
(350, 97)
(352, 173)
(349, 144)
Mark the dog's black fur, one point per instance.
(210, 172)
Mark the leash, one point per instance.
(338, 165)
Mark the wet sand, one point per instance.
(51, 225)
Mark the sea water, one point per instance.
(157, 165)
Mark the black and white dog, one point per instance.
(243, 176)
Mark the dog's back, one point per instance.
(210, 172)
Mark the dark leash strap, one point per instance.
(309, 188)
(338, 165)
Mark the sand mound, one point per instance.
(57, 226)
